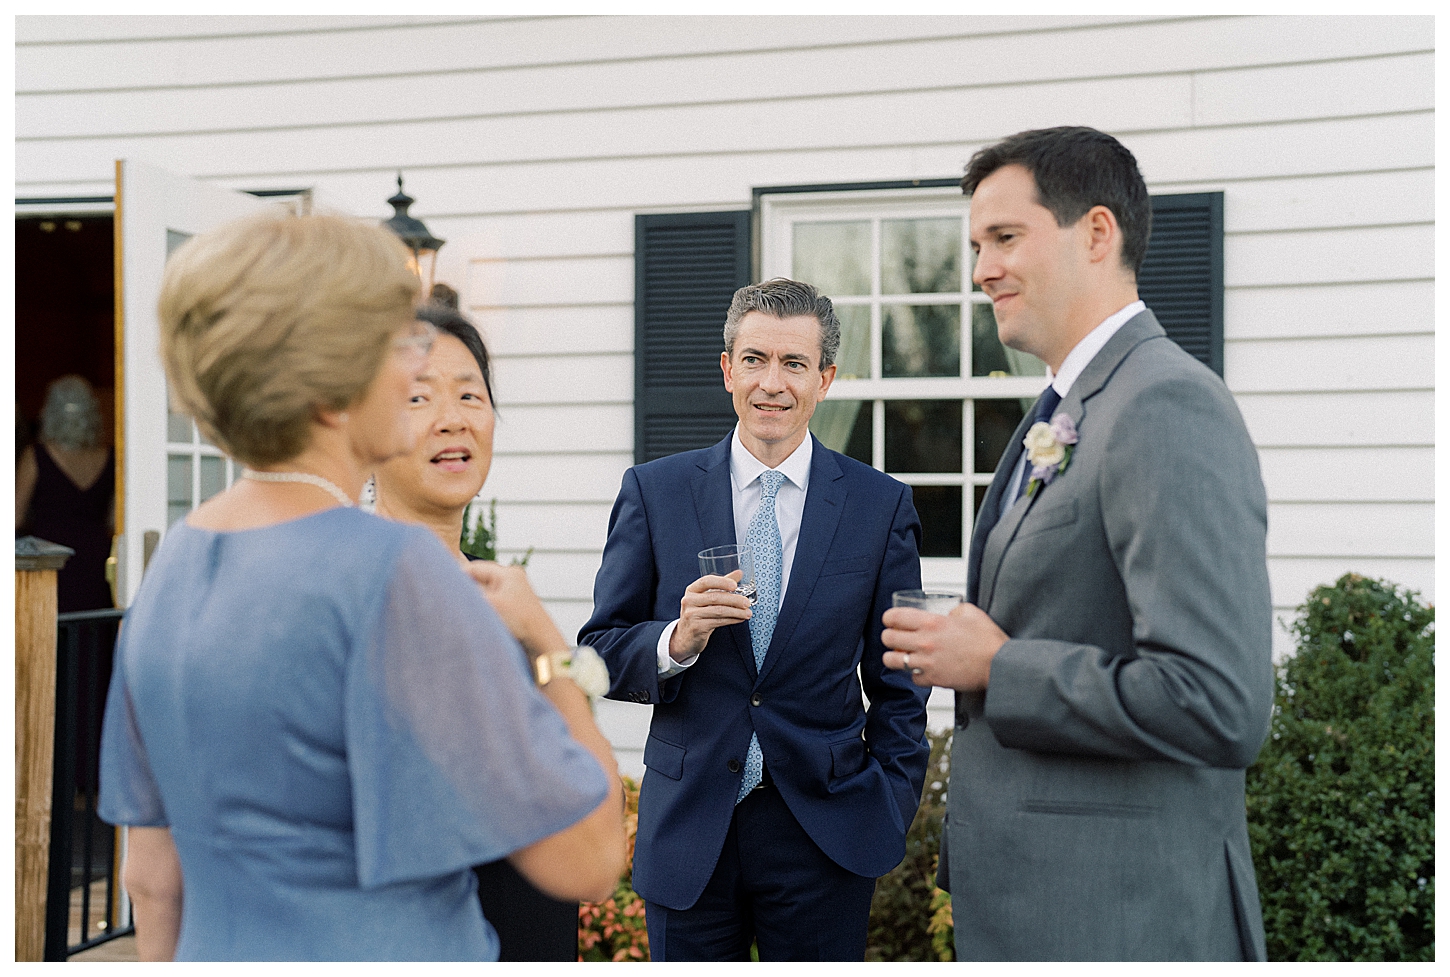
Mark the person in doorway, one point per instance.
(317, 725)
(452, 413)
(772, 800)
(1113, 662)
(65, 491)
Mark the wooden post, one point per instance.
(36, 565)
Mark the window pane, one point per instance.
(921, 256)
(924, 435)
(940, 509)
(995, 421)
(853, 362)
(921, 340)
(213, 477)
(979, 492)
(178, 428)
(834, 256)
(178, 487)
(990, 358)
(844, 426)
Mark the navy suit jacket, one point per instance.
(852, 776)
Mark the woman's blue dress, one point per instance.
(335, 726)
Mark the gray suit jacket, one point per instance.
(1096, 807)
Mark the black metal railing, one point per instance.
(84, 898)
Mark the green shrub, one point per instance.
(480, 535)
(910, 916)
(1341, 800)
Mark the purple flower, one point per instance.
(1064, 431)
(1044, 474)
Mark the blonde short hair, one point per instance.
(270, 318)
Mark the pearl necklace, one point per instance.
(306, 477)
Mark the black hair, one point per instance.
(453, 322)
(1076, 169)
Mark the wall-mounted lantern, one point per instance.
(414, 235)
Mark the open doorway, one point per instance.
(65, 297)
(64, 325)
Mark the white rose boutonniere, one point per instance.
(1049, 449)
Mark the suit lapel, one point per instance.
(825, 501)
(991, 510)
(997, 538)
(715, 511)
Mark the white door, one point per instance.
(163, 468)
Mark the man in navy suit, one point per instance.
(772, 800)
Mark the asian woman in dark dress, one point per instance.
(64, 489)
(451, 408)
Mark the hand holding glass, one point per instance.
(931, 601)
(719, 561)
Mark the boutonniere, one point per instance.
(1049, 449)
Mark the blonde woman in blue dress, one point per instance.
(317, 725)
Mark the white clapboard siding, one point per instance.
(446, 45)
(1343, 529)
(595, 378)
(1395, 418)
(551, 281)
(535, 234)
(1319, 474)
(1347, 309)
(781, 70)
(585, 328)
(882, 119)
(724, 179)
(564, 574)
(1398, 253)
(531, 144)
(572, 526)
(1336, 363)
(525, 429)
(1397, 83)
(556, 478)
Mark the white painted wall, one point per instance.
(530, 145)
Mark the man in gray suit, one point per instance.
(1112, 666)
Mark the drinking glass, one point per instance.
(931, 601)
(721, 560)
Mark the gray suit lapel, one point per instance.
(1100, 369)
(715, 510)
(825, 501)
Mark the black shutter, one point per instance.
(1182, 275)
(686, 269)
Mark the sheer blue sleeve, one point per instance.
(129, 794)
(455, 757)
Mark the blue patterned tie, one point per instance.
(764, 539)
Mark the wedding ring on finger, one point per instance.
(905, 660)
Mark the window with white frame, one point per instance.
(924, 390)
(196, 469)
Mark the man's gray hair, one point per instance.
(71, 417)
(783, 298)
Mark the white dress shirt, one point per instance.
(745, 493)
(1072, 366)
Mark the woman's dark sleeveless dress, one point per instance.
(62, 513)
(531, 926)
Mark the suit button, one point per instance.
(755, 699)
(733, 766)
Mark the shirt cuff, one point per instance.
(667, 665)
